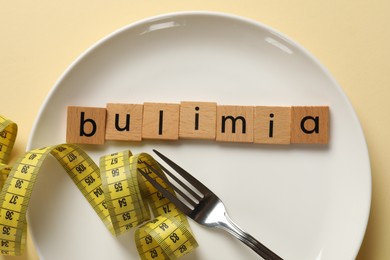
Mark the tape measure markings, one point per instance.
(13, 207)
(81, 167)
(117, 193)
(8, 132)
(164, 232)
(122, 202)
(156, 230)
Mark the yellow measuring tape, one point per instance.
(118, 194)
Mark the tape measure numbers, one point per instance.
(171, 229)
(119, 195)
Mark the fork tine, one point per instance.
(178, 203)
(178, 181)
(173, 186)
(191, 179)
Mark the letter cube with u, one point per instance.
(124, 122)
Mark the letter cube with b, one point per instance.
(86, 125)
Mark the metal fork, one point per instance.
(206, 209)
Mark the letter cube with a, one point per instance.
(310, 125)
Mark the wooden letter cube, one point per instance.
(272, 125)
(197, 120)
(124, 122)
(235, 124)
(86, 125)
(161, 121)
(310, 125)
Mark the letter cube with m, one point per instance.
(234, 124)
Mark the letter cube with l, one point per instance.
(160, 121)
(86, 125)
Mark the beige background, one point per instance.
(39, 39)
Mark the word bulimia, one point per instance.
(198, 120)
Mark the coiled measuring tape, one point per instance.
(118, 194)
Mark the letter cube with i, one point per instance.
(86, 125)
(272, 125)
(198, 120)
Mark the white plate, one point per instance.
(303, 201)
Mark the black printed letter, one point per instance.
(316, 125)
(82, 123)
(127, 124)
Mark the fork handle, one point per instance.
(247, 239)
